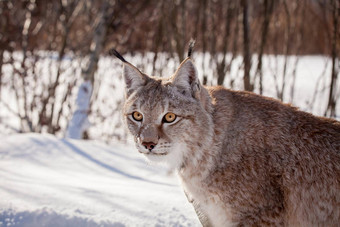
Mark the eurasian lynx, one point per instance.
(243, 159)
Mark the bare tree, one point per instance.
(158, 36)
(222, 66)
(246, 47)
(300, 21)
(204, 18)
(286, 49)
(69, 12)
(330, 111)
(268, 6)
(107, 21)
(79, 122)
(177, 22)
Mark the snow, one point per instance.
(46, 181)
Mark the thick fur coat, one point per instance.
(243, 159)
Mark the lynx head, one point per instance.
(168, 117)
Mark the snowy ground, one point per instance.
(46, 181)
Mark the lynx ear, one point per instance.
(186, 79)
(133, 78)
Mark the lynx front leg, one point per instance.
(200, 214)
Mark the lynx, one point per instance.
(243, 159)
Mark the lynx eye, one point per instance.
(169, 117)
(137, 116)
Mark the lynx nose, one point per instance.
(149, 145)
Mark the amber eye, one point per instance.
(137, 116)
(169, 117)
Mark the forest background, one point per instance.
(54, 51)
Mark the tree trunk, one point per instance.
(26, 121)
(246, 48)
(287, 49)
(268, 8)
(330, 111)
(51, 98)
(221, 66)
(79, 122)
(299, 41)
(204, 38)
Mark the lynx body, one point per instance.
(243, 159)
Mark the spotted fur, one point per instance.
(243, 159)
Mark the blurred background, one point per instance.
(56, 75)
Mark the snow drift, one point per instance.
(47, 181)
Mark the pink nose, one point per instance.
(149, 145)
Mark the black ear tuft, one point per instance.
(191, 47)
(115, 53)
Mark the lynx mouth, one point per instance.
(153, 153)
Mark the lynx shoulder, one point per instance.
(243, 159)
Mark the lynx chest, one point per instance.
(206, 200)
